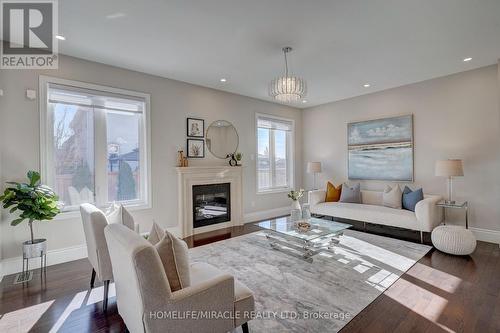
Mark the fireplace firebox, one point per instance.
(211, 204)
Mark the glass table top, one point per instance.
(319, 227)
(454, 204)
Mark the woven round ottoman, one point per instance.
(453, 240)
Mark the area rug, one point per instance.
(292, 295)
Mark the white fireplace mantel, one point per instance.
(205, 175)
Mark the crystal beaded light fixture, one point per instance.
(287, 89)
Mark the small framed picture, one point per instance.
(195, 128)
(195, 148)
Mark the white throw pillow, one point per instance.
(119, 214)
(114, 214)
(127, 218)
(393, 197)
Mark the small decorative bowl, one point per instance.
(303, 226)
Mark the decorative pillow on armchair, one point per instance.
(351, 194)
(411, 198)
(156, 234)
(332, 192)
(174, 256)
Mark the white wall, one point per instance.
(454, 117)
(171, 102)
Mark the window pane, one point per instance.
(280, 158)
(73, 153)
(263, 159)
(123, 155)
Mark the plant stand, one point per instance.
(37, 249)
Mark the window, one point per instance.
(94, 143)
(274, 154)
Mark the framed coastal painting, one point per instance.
(381, 149)
(195, 148)
(195, 128)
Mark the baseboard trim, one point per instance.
(486, 235)
(54, 257)
(265, 214)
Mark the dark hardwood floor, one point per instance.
(441, 293)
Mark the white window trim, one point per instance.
(290, 153)
(145, 142)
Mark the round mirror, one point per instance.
(222, 138)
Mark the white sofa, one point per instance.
(425, 218)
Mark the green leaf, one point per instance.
(34, 177)
(16, 221)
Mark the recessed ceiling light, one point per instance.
(60, 37)
(304, 101)
(115, 15)
(223, 80)
(366, 85)
(467, 59)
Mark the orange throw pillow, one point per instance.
(332, 192)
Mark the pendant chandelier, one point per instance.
(287, 89)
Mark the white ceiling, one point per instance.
(338, 45)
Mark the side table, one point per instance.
(456, 205)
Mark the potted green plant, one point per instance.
(34, 202)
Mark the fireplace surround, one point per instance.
(191, 180)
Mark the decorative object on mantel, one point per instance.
(239, 157)
(449, 168)
(314, 168)
(287, 88)
(381, 149)
(195, 127)
(35, 202)
(180, 158)
(232, 160)
(222, 139)
(185, 162)
(195, 148)
(295, 196)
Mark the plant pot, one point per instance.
(35, 249)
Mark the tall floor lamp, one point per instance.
(449, 168)
(314, 168)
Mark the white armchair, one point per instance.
(145, 300)
(94, 222)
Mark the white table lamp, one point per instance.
(449, 168)
(314, 168)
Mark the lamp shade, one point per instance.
(313, 167)
(449, 168)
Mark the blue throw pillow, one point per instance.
(410, 198)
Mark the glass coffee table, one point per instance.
(284, 234)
